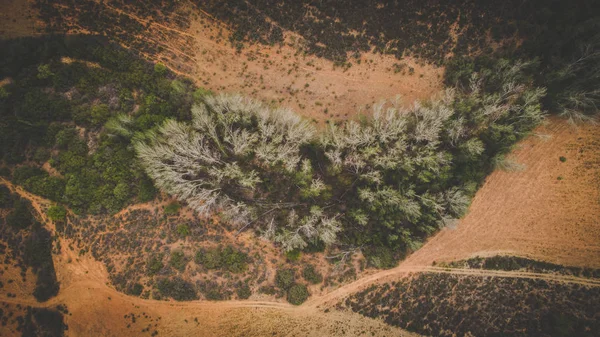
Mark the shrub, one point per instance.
(136, 289)
(154, 265)
(228, 258)
(293, 255)
(213, 291)
(146, 190)
(172, 208)
(297, 294)
(5, 197)
(160, 69)
(183, 230)
(562, 159)
(311, 275)
(57, 213)
(178, 260)
(210, 259)
(243, 291)
(177, 288)
(380, 257)
(284, 279)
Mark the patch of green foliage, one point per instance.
(183, 230)
(177, 288)
(243, 291)
(178, 260)
(154, 264)
(293, 255)
(310, 274)
(57, 213)
(172, 208)
(38, 109)
(297, 294)
(136, 289)
(227, 258)
(284, 278)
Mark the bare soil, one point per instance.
(17, 19)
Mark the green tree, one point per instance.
(57, 213)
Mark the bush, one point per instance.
(154, 265)
(562, 159)
(243, 291)
(293, 255)
(311, 275)
(146, 190)
(380, 257)
(160, 69)
(228, 258)
(57, 213)
(21, 217)
(213, 291)
(172, 208)
(183, 230)
(285, 278)
(297, 294)
(136, 289)
(5, 197)
(177, 288)
(178, 260)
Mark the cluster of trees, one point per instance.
(72, 114)
(381, 185)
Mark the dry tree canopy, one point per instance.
(242, 159)
(389, 181)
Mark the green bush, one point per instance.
(146, 190)
(311, 275)
(136, 289)
(21, 216)
(297, 294)
(183, 230)
(160, 69)
(154, 265)
(177, 288)
(563, 159)
(57, 213)
(243, 291)
(226, 258)
(178, 260)
(172, 208)
(284, 278)
(381, 257)
(5, 197)
(293, 255)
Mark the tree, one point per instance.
(57, 213)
